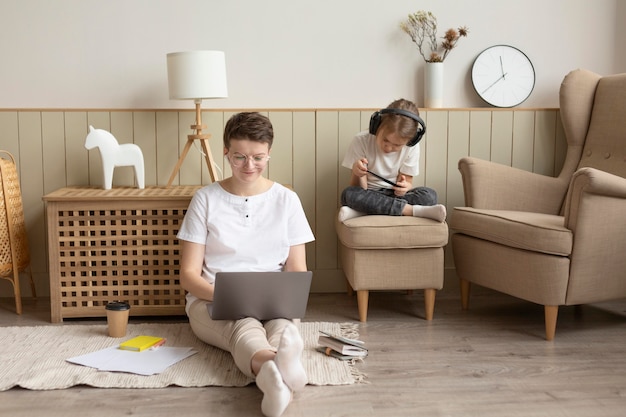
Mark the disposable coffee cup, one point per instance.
(117, 318)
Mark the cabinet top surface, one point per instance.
(86, 193)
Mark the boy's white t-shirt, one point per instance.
(244, 233)
(387, 165)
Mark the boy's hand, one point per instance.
(403, 186)
(359, 168)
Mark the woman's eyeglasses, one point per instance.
(238, 160)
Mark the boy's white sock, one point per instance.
(276, 395)
(289, 358)
(346, 213)
(436, 212)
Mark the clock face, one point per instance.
(503, 76)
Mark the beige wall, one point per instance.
(307, 153)
(286, 53)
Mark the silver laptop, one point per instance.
(262, 295)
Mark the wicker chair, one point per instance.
(14, 255)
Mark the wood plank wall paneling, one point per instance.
(307, 153)
(326, 188)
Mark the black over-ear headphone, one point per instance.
(377, 117)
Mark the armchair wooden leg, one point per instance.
(362, 298)
(465, 293)
(429, 302)
(551, 313)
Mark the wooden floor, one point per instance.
(489, 361)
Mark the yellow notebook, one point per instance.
(140, 343)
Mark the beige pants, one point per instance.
(242, 338)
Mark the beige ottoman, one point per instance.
(392, 253)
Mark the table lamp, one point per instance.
(196, 75)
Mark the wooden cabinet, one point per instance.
(117, 244)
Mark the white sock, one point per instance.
(436, 212)
(276, 395)
(289, 358)
(346, 213)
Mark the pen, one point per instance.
(157, 344)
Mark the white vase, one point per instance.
(433, 85)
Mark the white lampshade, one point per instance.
(196, 75)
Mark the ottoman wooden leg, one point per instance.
(429, 302)
(362, 298)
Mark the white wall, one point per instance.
(620, 36)
(286, 53)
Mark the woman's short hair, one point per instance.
(248, 125)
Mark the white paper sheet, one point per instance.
(147, 362)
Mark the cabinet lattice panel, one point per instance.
(115, 249)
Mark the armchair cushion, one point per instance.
(537, 232)
(605, 145)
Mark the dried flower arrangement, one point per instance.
(422, 27)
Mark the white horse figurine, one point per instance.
(115, 155)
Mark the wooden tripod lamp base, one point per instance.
(196, 75)
(204, 142)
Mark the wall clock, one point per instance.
(503, 76)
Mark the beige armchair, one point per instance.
(552, 240)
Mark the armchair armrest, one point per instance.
(489, 185)
(594, 194)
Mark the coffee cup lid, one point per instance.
(118, 306)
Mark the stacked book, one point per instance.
(341, 347)
(141, 343)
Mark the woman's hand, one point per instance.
(191, 278)
(296, 261)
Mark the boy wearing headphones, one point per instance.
(384, 161)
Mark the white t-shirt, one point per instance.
(244, 233)
(387, 165)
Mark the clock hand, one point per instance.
(502, 68)
(494, 83)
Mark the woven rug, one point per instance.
(35, 358)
